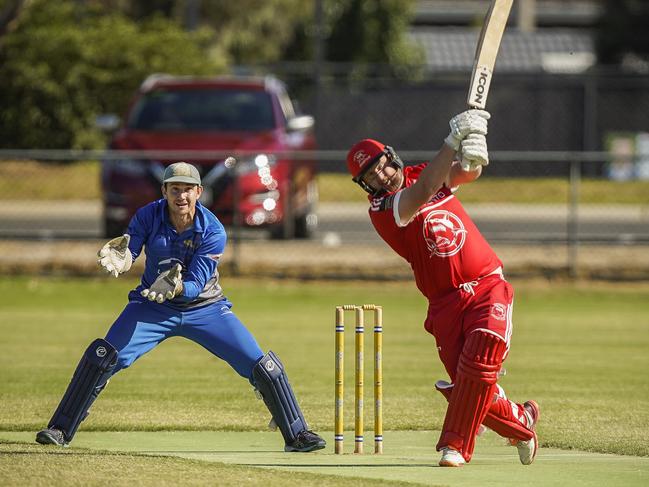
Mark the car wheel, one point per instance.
(280, 232)
(305, 225)
(302, 226)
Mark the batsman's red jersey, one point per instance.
(441, 243)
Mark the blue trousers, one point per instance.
(143, 325)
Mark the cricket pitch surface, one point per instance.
(408, 456)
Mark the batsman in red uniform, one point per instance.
(415, 210)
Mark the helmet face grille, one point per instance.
(358, 178)
(393, 157)
(393, 160)
(367, 187)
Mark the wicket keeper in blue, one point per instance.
(179, 295)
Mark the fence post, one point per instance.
(590, 133)
(573, 218)
(236, 221)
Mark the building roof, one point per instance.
(553, 50)
(547, 13)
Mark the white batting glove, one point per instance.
(168, 285)
(115, 257)
(469, 122)
(474, 152)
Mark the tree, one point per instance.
(64, 62)
(622, 34)
(59, 70)
(9, 11)
(253, 32)
(365, 35)
(245, 31)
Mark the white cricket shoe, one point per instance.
(527, 449)
(451, 458)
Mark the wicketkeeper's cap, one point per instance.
(362, 155)
(181, 172)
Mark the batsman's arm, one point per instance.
(468, 124)
(457, 176)
(430, 179)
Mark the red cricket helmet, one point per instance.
(363, 155)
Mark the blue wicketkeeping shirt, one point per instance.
(198, 249)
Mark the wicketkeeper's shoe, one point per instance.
(527, 449)
(51, 436)
(451, 458)
(306, 441)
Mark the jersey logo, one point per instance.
(444, 233)
(499, 311)
(269, 365)
(440, 195)
(361, 157)
(382, 203)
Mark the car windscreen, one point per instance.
(204, 109)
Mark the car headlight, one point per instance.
(261, 164)
(269, 204)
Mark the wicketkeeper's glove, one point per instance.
(115, 257)
(168, 285)
(468, 122)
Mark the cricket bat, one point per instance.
(486, 52)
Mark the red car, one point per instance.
(251, 118)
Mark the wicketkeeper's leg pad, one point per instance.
(473, 392)
(88, 380)
(271, 381)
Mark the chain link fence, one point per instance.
(566, 193)
(555, 223)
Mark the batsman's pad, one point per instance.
(501, 416)
(474, 390)
(272, 382)
(88, 380)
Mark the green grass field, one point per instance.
(180, 416)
